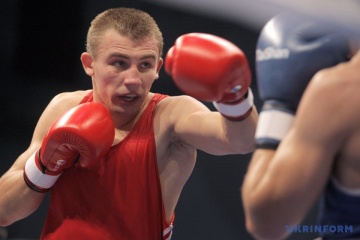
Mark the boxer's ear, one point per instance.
(160, 63)
(87, 60)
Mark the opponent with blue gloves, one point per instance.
(308, 131)
(290, 51)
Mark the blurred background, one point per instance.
(40, 47)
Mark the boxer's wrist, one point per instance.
(35, 176)
(236, 111)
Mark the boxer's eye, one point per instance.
(120, 64)
(145, 65)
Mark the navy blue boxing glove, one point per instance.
(290, 50)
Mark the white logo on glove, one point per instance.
(58, 164)
(272, 53)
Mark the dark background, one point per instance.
(40, 47)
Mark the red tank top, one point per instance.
(118, 199)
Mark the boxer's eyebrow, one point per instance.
(121, 55)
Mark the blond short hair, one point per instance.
(129, 22)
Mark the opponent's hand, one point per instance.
(83, 134)
(290, 50)
(211, 68)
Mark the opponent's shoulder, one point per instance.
(333, 95)
(341, 74)
(338, 83)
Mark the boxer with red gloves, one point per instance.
(307, 131)
(130, 190)
(82, 135)
(211, 68)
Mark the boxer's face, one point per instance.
(123, 71)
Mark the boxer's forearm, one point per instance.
(17, 200)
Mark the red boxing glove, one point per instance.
(84, 134)
(211, 68)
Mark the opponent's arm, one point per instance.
(281, 185)
(210, 68)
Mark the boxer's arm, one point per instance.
(17, 200)
(281, 187)
(210, 131)
(212, 69)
